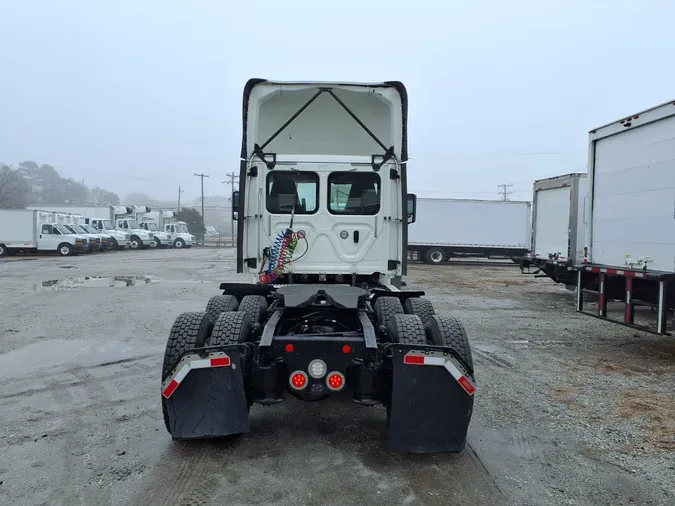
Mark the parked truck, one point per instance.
(122, 220)
(29, 231)
(558, 227)
(168, 222)
(447, 228)
(326, 311)
(631, 222)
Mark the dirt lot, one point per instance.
(570, 410)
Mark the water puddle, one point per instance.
(91, 282)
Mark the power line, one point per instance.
(504, 193)
(202, 176)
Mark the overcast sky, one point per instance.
(140, 94)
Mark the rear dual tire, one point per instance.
(189, 331)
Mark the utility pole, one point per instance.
(232, 176)
(179, 192)
(202, 176)
(504, 193)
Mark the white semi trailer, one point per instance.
(447, 228)
(631, 220)
(28, 231)
(558, 227)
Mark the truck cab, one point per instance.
(120, 239)
(339, 193)
(161, 239)
(56, 236)
(182, 236)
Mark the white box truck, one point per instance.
(169, 223)
(30, 231)
(631, 231)
(558, 227)
(122, 222)
(446, 228)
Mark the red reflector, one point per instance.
(413, 359)
(289, 348)
(346, 349)
(299, 380)
(170, 389)
(335, 381)
(466, 385)
(220, 362)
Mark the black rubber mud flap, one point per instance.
(430, 411)
(209, 403)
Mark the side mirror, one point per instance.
(235, 205)
(411, 206)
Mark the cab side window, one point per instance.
(46, 230)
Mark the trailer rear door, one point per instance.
(552, 222)
(633, 214)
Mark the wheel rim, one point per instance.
(153, 244)
(179, 244)
(134, 244)
(65, 250)
(436, 256)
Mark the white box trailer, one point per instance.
(446, 228)
(631, 232)
(29, 231)
(558, 227)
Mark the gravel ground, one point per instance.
(569, 410)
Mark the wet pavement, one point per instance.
(81, 423)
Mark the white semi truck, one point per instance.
(558, 227)
(631, 221)
(27, 231)
(167, 222)
(122, 222)
(326, 311)
(447, 228)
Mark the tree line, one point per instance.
(31, 184)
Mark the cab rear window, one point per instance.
(354, 193)
(289, 190)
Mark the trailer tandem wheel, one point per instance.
(446, 330)
(221, 303)
(420, 306)
(189, 331)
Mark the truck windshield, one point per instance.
(354, 193)
(133, 224)
(107, 225)
(64, 230)
(153, 227)
(182, 229)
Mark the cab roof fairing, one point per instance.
(275, 88)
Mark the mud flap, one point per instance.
(208, 400)
(431, 405)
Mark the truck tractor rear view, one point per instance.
(322, 214)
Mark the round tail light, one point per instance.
(298, 380)
(335, 381)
